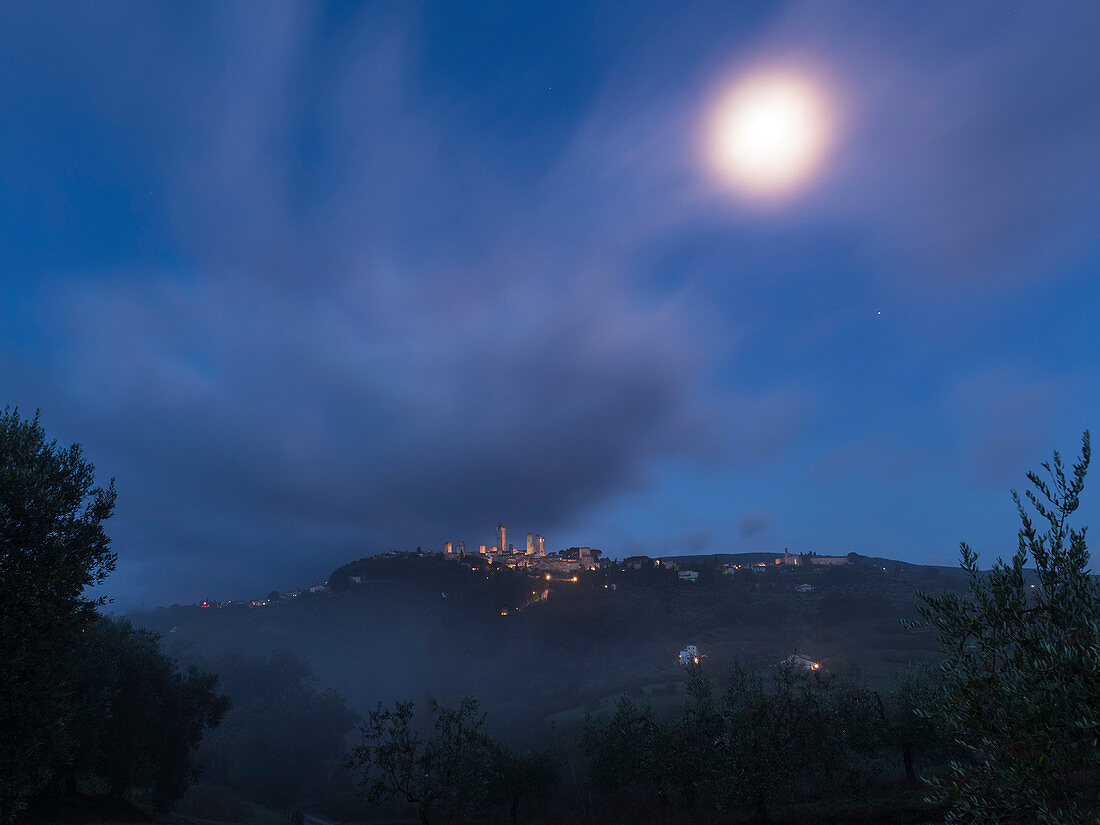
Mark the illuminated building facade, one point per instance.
(689, 656)
(532, 555)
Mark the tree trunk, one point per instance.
(907, 758)
(514, 812)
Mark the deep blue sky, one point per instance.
(314, 282)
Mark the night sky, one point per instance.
(314, 282)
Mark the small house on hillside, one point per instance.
(805, 588)
(689, 656)
(800, 661)
(687, 575)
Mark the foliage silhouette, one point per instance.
(1022, 673)
(52, 546)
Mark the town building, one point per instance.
(789, 559)
(552, 564)
(589, 557)
(687, 575)
(689, 656)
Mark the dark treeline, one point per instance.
(788, 735)
(134, 718)
(86, 702)
(284, 741)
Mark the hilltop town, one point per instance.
(567, 562)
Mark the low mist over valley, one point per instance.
(539, 647)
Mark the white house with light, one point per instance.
(689, 656)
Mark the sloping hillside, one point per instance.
(429, 628)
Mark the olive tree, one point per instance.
(626, 751)
(52, 547)
(1022, 668)
(144, 717)
(796, 732)
(920, 740)
(446, 774)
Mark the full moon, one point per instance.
(769, 133)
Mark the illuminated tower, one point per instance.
(540, 545)
(502, 537)
(460, 548)
(530, 545)
(447, 548)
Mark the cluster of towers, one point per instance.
(536, 545)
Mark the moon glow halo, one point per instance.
(769, 133)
